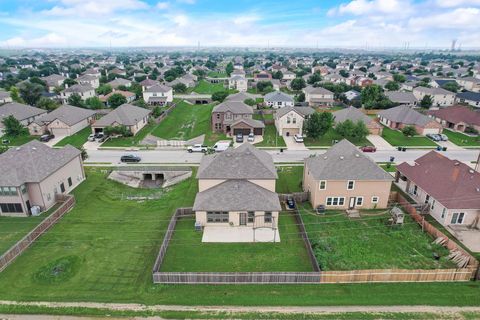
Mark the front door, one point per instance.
(28, 207)
(243, 219)
(351, 204)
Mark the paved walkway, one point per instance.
(380, 143)
(239, 234)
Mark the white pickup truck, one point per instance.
(198, 148)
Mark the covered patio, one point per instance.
(239, 234)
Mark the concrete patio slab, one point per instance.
(227, 234)
(469, 237)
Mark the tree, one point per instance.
(3, 149)
(47, 104)
(116, 100)
(392, 86)
(277, 75)
(352, 131)
(264, 86)
(317, 124)
(15, 95)
(229, 68)
(314, 78)
(180, 88)
(298, 84)
(83, 153)
(219, 96)
(251, 102)
(451, 86)
(117, 130)
(13, 127)
(344, 73)
(94, 103)
(69, 82)
(75, 100)
(426, 101)
(157, 112)
(30, 92)
(399, 78)
(104, 89)
(300, 97)
(409, 131)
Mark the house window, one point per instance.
(335, 201)
(62, 187)
(23, 189)
(48, 197)
(359, 201)
(457, 218)
(288, 119)
(8, 191)
(294, 120)
(11, 207)
(218, 115)
(433, 205)
(251, 216)
(323, 184)
(268, 217)
(350, 184)
(444, 211)
(217, 217)
(415, 189)
(69, 182)
(374, 199)
(427, 198)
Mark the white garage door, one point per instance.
(431, 131)
(57, 132)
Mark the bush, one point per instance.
(219, 96)
(471, 130)
(117, 130)
(409, 131)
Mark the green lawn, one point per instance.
(388, 167)
(289, 179)
(398, 139)
(205, 87)
(187, 253)
(13, 229)
(77, 140)
(216, 74)
(327, 140)
(19, 140)
(134, 141)
(341, 243)
(461, 139)
(212, 137)
(111, 245)
(185, 122)
(271, 138)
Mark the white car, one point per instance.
(251, 137)
(298, 138)
(91, 137)
(198, 148)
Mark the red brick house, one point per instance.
(457, 118)
(402, 116)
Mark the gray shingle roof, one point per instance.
(234, 107)
(33, 162)
(344, 161)
(303, 111)
(68, 114)
(244, 162)
(237, 195)
(251, 122)
(317, 90)
(241, 96)
(79, 88)
(351, 113)
(405, 114)
(19, 111)
(401, 97)
(126, 114)
(278, 96)
(159, 88)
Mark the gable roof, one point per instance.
(450, 182)
(126, 114)
(400, 96)
(241, 96)
(433, 91)
(68, 114)
(19, 111)
(244, 162)
(158, 88)
(33, 162)
(344, 161)
(353, 114)
(250, 122)
(302, 111)
(79, 88)
(456, 114)
(405, 114)
(317, 90)
(278, 96)
(234, 107)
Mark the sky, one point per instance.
(240, 23)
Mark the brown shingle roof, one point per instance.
(456, 114)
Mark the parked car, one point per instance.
(130, 158)
(251, 137)
(239, 138)
(290, 203)
(443, 137)
(368, 149)
(197, 148)
(298, 138)
(434, 137)
(46, 137)
(91, 137)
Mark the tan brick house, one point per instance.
(235, 117)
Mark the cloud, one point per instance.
(456, 3)
(187, 1)
(181, 20)
(163, 5)
(246, 19)
(361, 7)
(90, 8)
(461, 18)
(48, 40)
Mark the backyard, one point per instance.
(271, 138)
(13, 229)
(289, 179)
(398, 139)
(187, 253)
(185, 122)
(369, 242)
(18, 140)
(77, 140)
(461, 139)
(328, 138)
(206, 87)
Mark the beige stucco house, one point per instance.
(289, 120)
(440, 96)
(84, 91)
(34, 174)
(345, 178)
(237, 189)
(133, 117)
(318, 96)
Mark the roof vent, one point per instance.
(34, 148)
(471, 171)
(342, 157)
(357, 155)
(456, 164)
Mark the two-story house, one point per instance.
(318, 96)
(235, 117)
(289, 120)
(440, 96)
(84, 91)
(158, 95)
(25, 114)
(238, 82)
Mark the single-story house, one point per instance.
(355, 115)
(278, 99)
(289, 120)
(400, 97)
(63, 121)
(115, 83)
(469, 97)
(24, 113)
(450, 188)
(133, 117)
(402, 116)
(130, 96)
(457, 118)
(34, 174)
(345, 178)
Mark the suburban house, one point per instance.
(235, 117)
(289, 120)
(5, 97)
(117, 71)
(53, 81)
(262, 76)
(345, 178)
(237, 192)
(400, 97)
(133, 117)
(318, 96)
(238, 82)
(440, 96)
(84, 91)
(148, 83)
(457, 118)
(470, 98)
(115, 83)
(189, 80)
(469, 83)
(24, 113)
(278, 99)
(158, 95)
(355, 115)
(130, 96)
(402, 116)
(34, 175)
(63, 121)
(241, 96)
(448, 188)
(288, 75)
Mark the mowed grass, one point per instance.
(271, 138)
(369, 242)
(136, 140)
(187, 253)
(212, 137)
(205, 87)
(398, 139)
(461, 139)
(12, 229)
(328, 140)
(289, 179)
(18, 140)
(185, 122)
(77, 140)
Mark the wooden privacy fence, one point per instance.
(297, 196)
(17, 249)
(306, 241)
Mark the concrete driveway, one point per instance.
(293, 145)
(380, 143)
(55, 140)
(257, 139)
(449, 145)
